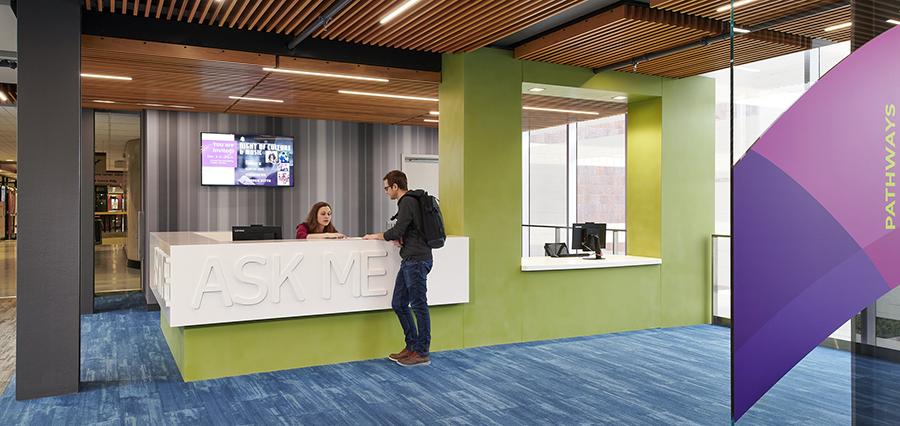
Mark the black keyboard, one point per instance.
(573, 255)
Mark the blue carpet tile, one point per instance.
(664, 376)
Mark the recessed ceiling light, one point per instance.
(536, 89)
(393, 14)
(565, 111)
(180, 107)
(387, 95)
(246, 98)
(893, 21)
(100, 101)
(434, 112)
(839, 26)
(741, 30)
(104, 76)
(428, 120)
(620, 98)
(324, 74)
(152, 105)
(736, 4)
(3, 97)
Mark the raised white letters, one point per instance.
(343, 275)
(241, 275)
(366, 272)
(212, 268)
(287, 275)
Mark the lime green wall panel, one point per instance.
(643, 213)
(586, 302)
(637, 86)
(174, 338)
(688, 199)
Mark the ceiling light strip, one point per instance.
(107, 77)
(246, 98)
(893, 21)
(325, 74)
(394, 13)
(3, 97)
(429, 120)
(387, 95)
(737, 4)
(839, 26)
(565, 111)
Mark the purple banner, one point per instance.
(219, 153)
(814, 233)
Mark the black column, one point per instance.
(49, 237)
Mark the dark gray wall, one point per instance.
(50, 217)
(87, 211)
(338, 162)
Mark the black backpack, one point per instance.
(432, 226)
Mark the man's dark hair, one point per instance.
(396, 177)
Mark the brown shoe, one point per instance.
(414, 360)
(401, 355)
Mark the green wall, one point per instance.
(670, 212)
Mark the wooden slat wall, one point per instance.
(203, 78)
(432, 25)
(754, 13)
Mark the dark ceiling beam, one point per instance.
(760, 32)
(174, 32)
(320, 22)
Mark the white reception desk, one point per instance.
(205, 278)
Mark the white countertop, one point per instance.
(531, 264)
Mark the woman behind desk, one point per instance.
(318, 224)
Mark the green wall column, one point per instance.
(643, 213)
(688, 199)
(481, 185)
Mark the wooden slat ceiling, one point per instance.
(618, 34)
(535, 120)
(631, 31)
(433, 25)
(754, 13)
(177, 77)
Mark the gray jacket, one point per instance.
(407, 232)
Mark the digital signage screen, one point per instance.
(246, 160)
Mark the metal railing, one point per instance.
(561, 235)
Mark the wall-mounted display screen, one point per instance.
(246, 160)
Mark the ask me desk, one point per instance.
(205, 279)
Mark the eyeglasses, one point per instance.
(387, 187)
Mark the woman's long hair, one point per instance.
(312, 219)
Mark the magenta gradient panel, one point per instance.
(814, 218)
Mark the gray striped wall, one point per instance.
(338, 162)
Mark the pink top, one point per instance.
(302, 231)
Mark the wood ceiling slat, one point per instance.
(193, 11)
(148, 7)
(124, 7)
(298, 16)
(750, 14)
(184, 4)
(260, 13)
(221, 4)
(137, 5)
(112, 6)
(239, 13)
(224, 17)
(171, 9)
(249, 13)
(274, 10)
(100, 5)
(284, 11)
(209, 4)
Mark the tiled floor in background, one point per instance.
(668, 376)
(111, 271)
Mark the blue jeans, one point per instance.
(409, 291)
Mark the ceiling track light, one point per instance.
(394, 13)
(564, 111)
(387, 95)
(325, 74)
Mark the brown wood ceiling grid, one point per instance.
(433, 25)
(535, 120)
(814, 26)
(203, 78)
(750, 14)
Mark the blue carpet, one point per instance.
(667, 376)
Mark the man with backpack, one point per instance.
(418, 229)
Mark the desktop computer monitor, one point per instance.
(255, 232)
(589, 236)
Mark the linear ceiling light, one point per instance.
(736, 5)
(180, 107)
(536, 89)
(839, 26)
(100, 101)
(893, 21)
(245, 98)
(434, 112)
(107, 77)
(393, 14)
(386, 95)
(3, 97)
(741, 30)
(429, 120)
(324, 74)
(620, 98)
(566, 111)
